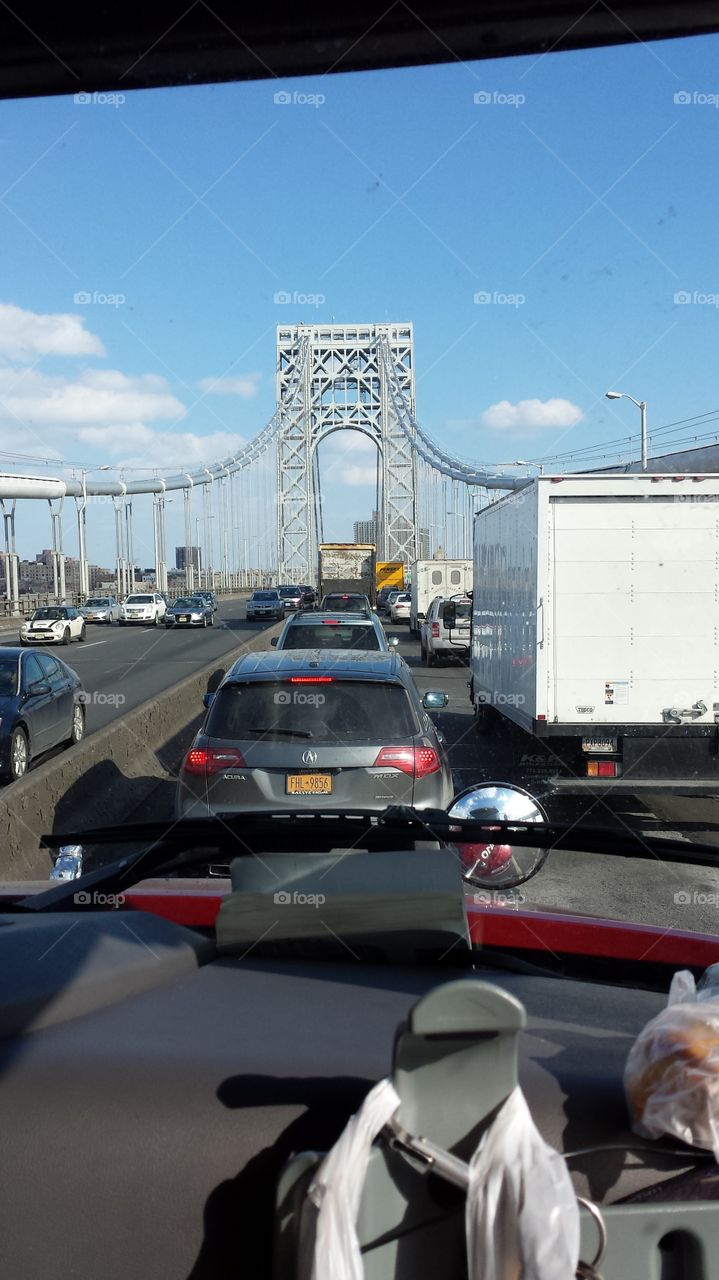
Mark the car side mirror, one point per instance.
(208, 700)
(393, 642)
(435, 699)
(274, 640)
(449, 614)
(38, 687)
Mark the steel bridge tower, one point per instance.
(332, 378)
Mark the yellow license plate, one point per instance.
(309, 784)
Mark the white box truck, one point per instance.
(595, 626)
(432, 578)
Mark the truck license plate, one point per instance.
(599, 744)
(309, 784)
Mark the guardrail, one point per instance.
(109, 775)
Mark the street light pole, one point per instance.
(642, 407)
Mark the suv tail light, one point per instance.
(208, 760)
(416, 762)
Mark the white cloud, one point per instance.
(25, 335)
(359, 475)
(528, 416)
(164, 450)
(246, 385)
(93, 399)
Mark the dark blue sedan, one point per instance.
(41, 706)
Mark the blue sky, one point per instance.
(577, 186)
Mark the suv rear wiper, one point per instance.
(286, 733)
(172, 846)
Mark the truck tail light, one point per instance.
(416, 762)
(435, 631)
(603, 769)
(203, 761)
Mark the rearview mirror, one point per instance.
(449, 614)
(434, 699)
(208, 700)
(393, 642)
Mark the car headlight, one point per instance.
(57, 626)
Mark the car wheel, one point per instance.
(431, 659)
(19, 754)
(212, 619)
(82, 632)
(120, 622)
(66, 637)
(204, 620)
(77, 727)
(24, 644)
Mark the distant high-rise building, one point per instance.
(423, 548)
(366, 530)
(195, 557)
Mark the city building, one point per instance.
(366, 530)
(181, 557)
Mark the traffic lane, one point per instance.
(121, 667)
(651, 892)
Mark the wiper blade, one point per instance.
(285, 733)
(170, 846)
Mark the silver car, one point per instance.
(101, 609)
(436, 639)
(330, 630)
(316, 729)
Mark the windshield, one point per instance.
(327, 635)
(338, 712)
(476, 358)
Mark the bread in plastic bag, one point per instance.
(522, 1217)
(671, 1077)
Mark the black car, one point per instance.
(309, 597)
(41, 706)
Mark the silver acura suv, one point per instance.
(316, 728)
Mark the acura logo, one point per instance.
(309, 757)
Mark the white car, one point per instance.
(146, 607)
(439, 641)
(400, 607)
(100, 609)
(53, 624)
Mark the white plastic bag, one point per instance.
(337, 1188)
(671, 1078)
(522, 1216)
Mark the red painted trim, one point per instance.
(489, 926)
(493, 926)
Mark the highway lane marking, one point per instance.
(94, 643)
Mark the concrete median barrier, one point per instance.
(108, 776)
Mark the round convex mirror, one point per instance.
(495, 865)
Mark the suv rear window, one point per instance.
(265, 595)
(339, 712)
(290, 593)
(326, 635)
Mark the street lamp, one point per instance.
(84, 584)
(642, 407)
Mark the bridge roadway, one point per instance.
(134, 663)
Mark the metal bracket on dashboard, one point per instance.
(454, 1064)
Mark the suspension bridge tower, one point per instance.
(334, 378)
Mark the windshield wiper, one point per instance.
(192, 842)
(285, 733)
